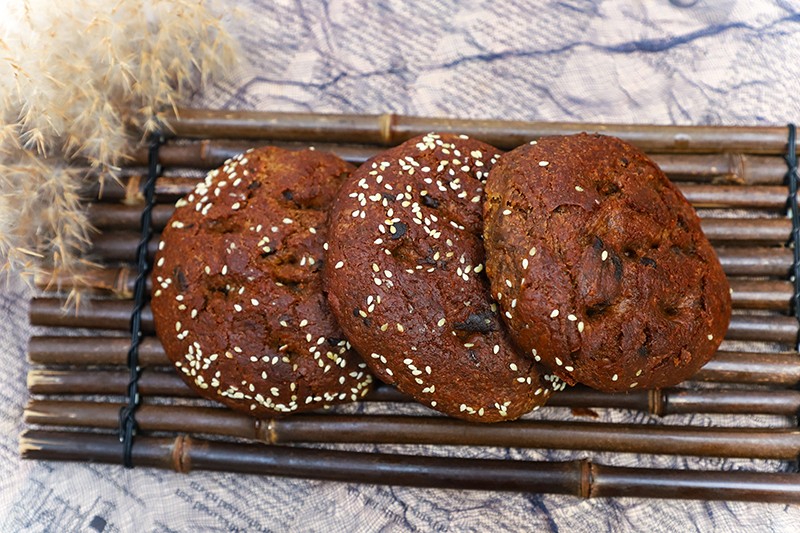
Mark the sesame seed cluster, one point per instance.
(237, 297)
(405, 279)
(599, 264)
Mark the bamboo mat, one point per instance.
(734, 177)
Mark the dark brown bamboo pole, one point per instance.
(747, 230)
(578, 478)
(610, 481)
(781, 369)
(115, 314)
(106, 382)
(730, 168)
(729, 367)
(119, 283)
(755, 261)
(756, 443)
(731, 402)
(120, 246)
(93, 351)
(657, 402)
(170, 188)
(735, 196)
(107, 216)
(389, 129)
(729, 234)
(129, 190)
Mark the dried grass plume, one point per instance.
(80, 83)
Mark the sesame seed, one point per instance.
(579, 188)
(710, 337)
(508, 283)
(287, 220)
(559, 362)
(632, 385)
(506, 212)
(253, 301)
(604, 255)
(238, 308)
(339, 265)
(441, 322)
(532, 251)
(569, 368)
(236, 206)
(544, 163)
(554, 313)
(525, 263)
(572, 318)
(580, 327)
(614, 377)
(513, 367)
(160, 262)
(400, 328)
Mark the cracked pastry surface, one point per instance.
(405, 280)
(600, 266)
(237, 291)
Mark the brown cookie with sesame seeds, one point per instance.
(600, 265)
(405, 280)
(238, 302)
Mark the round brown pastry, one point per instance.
(405, 280)
(238, 302)
(600, 266)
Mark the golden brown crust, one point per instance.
(404, 279)
(237, 299)
(600, 266)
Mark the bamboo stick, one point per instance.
(757, 443)
(737, 169)
(782, 368)
(579, 478)
(729, 367)
(93, 351)
(170, 188)
(106, 382)
(118, 282)
(747, 230)
(390, 129)
(656, 402)
(115, 315)
(106, 216)
(120, 246)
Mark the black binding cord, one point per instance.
(127, 414)
(791, 181)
